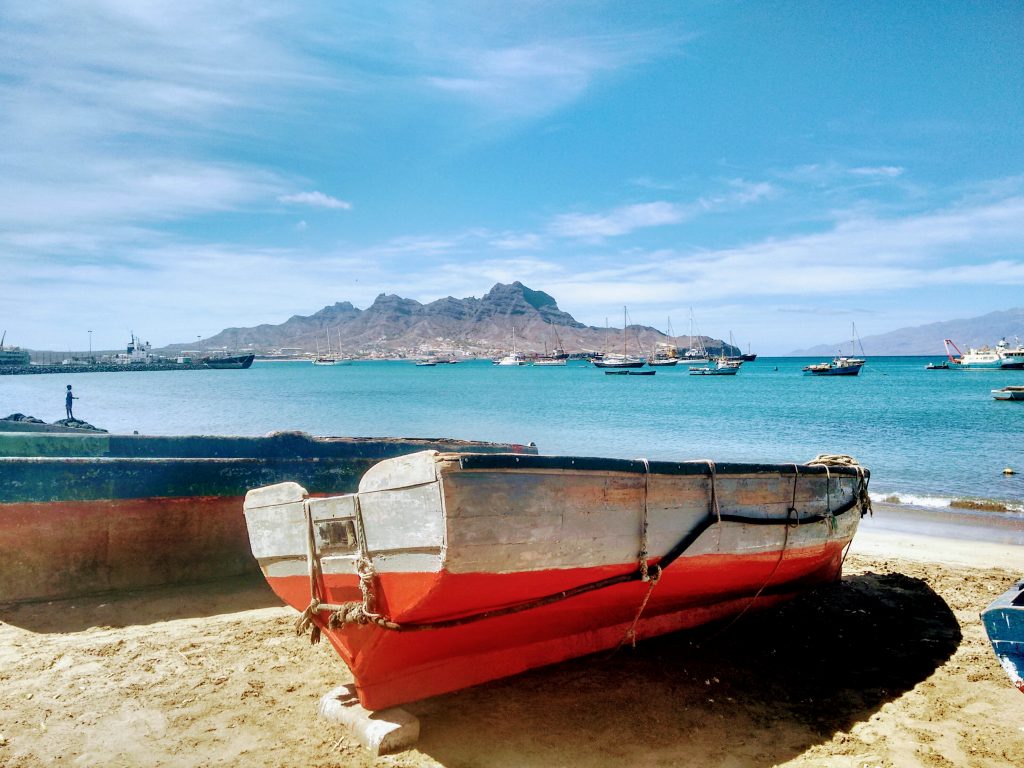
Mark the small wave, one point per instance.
(955, 504)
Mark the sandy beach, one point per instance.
(889, 667)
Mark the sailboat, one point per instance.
(327, 359)
(341, 359)
(696, 353)
(840, 365)
(624, 360)
(514, 357)
(558, 357)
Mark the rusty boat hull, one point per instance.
(445, 571)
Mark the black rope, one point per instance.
(344, 616)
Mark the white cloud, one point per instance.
(316, 200)
(619, 221)
(629, 218)
(883, 171)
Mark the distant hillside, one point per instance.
(470, 326)
(927, 339)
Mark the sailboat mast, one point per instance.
(623, 331)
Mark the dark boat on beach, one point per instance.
(235, 361)
(91, 513)
(1004, 624)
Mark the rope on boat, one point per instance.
(842, 460)
(644, 573)
(364, 612)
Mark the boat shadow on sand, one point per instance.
(759, 690)
(147, 605)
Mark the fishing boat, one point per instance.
(840, 365)
(1004, 625)
(661, 362)
(429, 363)
(985, 357)
(443, 571)
(623, 359)
(86, 513)
(552, 359)
(1012, 392)
(229, 361)
(723, 367)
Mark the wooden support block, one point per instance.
(381, 732)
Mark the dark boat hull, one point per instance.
(238, 361)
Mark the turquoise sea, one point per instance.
(927, 436)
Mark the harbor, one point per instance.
(546, 385)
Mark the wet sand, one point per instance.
(889, 667)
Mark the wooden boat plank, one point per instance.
(404, 519)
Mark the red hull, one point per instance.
(392, 667)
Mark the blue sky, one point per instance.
(782, 168)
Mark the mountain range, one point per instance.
(395, 326)
(471, 326)
(927, 339)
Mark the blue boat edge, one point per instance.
(1004, 624)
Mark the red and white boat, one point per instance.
(444, 570)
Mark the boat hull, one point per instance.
(843, 370)
(618, 364)
(1004, 624)
(714, 371)
(501, 536)
(89, 513)
(1008, 393)
(236, 362)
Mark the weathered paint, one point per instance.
(1004, 624)
(495, 531)
(82, 514)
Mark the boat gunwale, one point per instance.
(494, 461)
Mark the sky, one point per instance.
(782, 169)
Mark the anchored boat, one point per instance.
(840, 365)
(1003, 356)
(1004, 624)
(1012, 392)
(229, 361)
(444, 570)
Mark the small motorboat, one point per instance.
(1013, 392)
(1004, 625)
(943, 366)
(723, 367)
(447, 570)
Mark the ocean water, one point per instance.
(927, 436)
